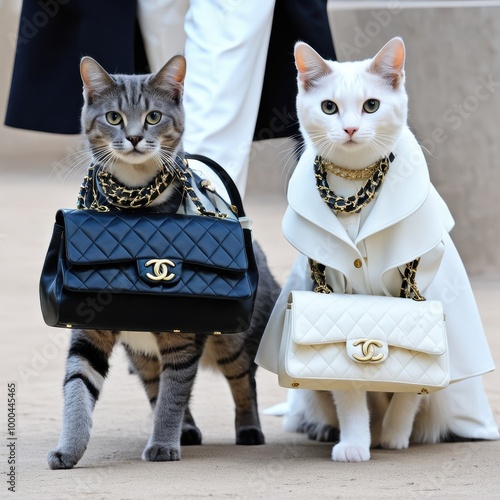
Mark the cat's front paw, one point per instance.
(395, 441)
(249, 436)
(59, 460)
(345, 452)
(161, 453)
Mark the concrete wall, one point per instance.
(453, 81)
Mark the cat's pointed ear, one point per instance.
(390, 61)
(171, 76)
(310, 65)
(95, 78)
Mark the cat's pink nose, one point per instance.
(135, 139)
(351, 130)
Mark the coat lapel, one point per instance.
(405, 188)
(304, 200)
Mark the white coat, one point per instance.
(408, 219)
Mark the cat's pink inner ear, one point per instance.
(399, 57)
(389, 62)
(171, 76)
(94, 76)
(310, 65)
(177, 68)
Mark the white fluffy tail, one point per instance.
(431, 421)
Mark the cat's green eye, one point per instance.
(329, 107)
(114, 118)
(371, 105)
(153, 117)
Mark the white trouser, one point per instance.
(225, 43)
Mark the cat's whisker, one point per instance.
(326, 147)
(378, 147)
(157, 160)
(292, 155)
(107, 159)
(428, 151)
(71, 164)
(167, 158)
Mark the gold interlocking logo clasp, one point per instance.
(368, 350)
(160, 269)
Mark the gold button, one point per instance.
(358, 263)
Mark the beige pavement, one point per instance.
(288, 466)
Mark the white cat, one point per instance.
(363, 111)
(352, 115)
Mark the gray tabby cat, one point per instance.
(134, 125)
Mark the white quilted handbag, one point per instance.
(363, 342)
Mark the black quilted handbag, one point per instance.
(127, 270)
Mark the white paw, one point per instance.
(345, 452)
(395, 442)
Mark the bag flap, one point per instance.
(330, 318)
(94, 238)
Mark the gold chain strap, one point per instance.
(84, 189)
(409, 288)
(319, 277)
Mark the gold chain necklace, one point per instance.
(121, 196)
(354, 203)
(345, 173)
(124, 197)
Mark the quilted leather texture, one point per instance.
(327, 318)
(108, 252)
(317, 328)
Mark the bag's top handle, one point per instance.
(232, 190)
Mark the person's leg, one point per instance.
(226, 50)
(162, 28)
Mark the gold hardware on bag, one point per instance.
(205, 183)
(192, 194)
(423, 391)
(217, 333)
(368, 350)
(295, 385)
(160, 269)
